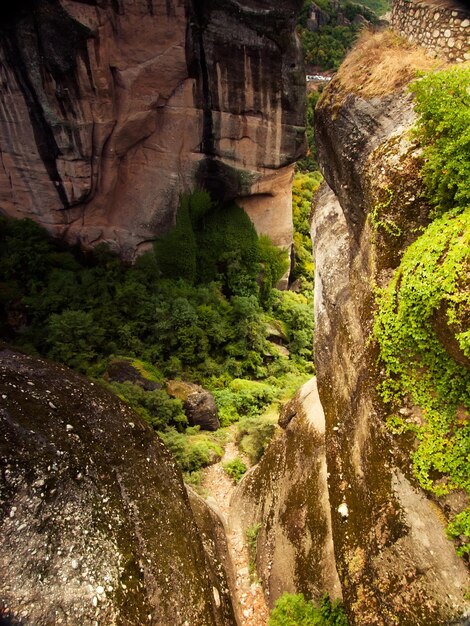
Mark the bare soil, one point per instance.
(219, 486)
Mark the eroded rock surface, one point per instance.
(110, 110)
(287, 495)
(394, 561)
(96, 526)
(198, 403)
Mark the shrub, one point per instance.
(155, 407)
(251, 536)
(442, 102)
(422, 319)
(422, 329)
(176, 252)
(235, 469)
(295, 610)
(192, 450)
(296, 311)
(274, 264)
(228, 250)
(253, 435)
(74, 338)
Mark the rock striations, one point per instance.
(110, 110)
(95, 524)
(393, 559)
(286, 497)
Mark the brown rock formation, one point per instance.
(394, 561)
(109, 110)
(95, 523)
(287, 495)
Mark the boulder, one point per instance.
(394, 560)
(287, 495)
(95, 523)
(126, 370)
(198, 403)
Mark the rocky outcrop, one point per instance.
(214, 538)
(394, 561)
(96, 526)
(286, 494)
(110, 110)
(198, 403)
(121, 370)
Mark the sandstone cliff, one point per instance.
(287, 495)
(109, 110)
(96, 527)
(394, 561)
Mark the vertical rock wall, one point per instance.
(286, 494)
(108, 111)
(394, 561)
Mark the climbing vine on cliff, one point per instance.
(423, 318)
(443, 108)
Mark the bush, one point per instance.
(251, 536)
(155, 407)
(422, 329)
(295, 610)
(176, 252)
(253, 435)
(235, 469)
(275, 263)
(192, 450)
(443, 129)
(422, 319)
(296, 311)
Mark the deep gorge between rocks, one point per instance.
(110, 112)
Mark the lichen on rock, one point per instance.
(95, 522)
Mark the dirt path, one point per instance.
(253, 609)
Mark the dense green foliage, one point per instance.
(201, 308)
(235, 469)
(310, 163)
(327, 46)
(193, 449)
(295, 610)
(423, 318)
(379, 7)
(253, 435)
(251, 536)
(303, 189)
(443, 108)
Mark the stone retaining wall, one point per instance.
(442, 30)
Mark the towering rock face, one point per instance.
(394, 561)
(95, 523)
(286, 494)
(110, 110)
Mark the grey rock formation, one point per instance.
(95, 523)
(122, 370)
(199, 404)
(214, 538)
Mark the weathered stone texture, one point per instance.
(444, 30)
(394, 561)
(95, 523)
(287, 495)
(108, 111)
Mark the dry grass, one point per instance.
(381, 63)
